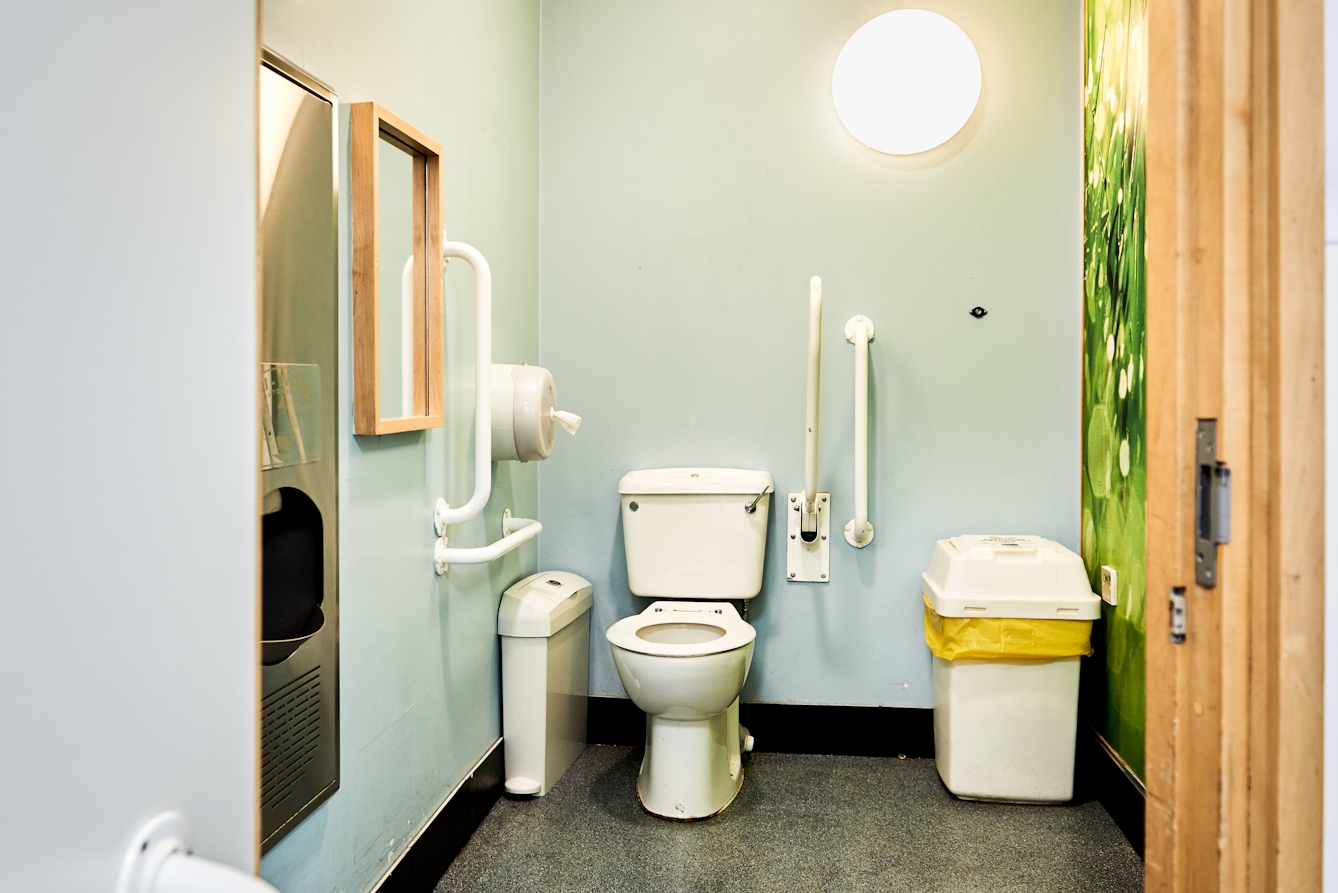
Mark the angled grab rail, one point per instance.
(859, 332)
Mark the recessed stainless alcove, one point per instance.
(292, 574)
(298, 390)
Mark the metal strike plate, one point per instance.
(808, 555)
(1212, 504)
(1179, 606)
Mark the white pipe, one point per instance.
(859, 332)
(811, 403)
(515, 530)
(159, 860)
(444, 514)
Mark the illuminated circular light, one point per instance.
(906, 82)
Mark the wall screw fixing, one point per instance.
(792, 576)
(824, 576)
(792, 536)
(793, 498)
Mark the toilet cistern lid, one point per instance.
(653, 481)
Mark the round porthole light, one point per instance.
(906, 82)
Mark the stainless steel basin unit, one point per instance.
(299, 389)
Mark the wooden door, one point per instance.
(1235, 333)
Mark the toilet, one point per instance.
(695, 540)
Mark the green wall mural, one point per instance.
(1114, 487)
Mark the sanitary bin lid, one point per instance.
(652, 481)
(1009, 576)
(540, 605)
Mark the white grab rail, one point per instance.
(859, 332)
(159, 860)
(514, 530)
(444, 514)
(808, 520)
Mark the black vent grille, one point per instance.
(290, 723)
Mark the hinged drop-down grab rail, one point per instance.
(808, 516)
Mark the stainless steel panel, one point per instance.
(300, 325)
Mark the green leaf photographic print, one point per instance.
(1114, 485)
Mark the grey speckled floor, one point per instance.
(800, 823)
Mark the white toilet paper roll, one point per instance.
(568, 420)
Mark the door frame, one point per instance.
(1235, 168)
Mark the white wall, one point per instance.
(695, 175)
(128, 609)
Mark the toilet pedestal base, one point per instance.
(692, 768)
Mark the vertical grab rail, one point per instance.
(808, 519)
(859, 332)
(444, 515)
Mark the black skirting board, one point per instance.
(437, 845)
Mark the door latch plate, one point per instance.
(1179, 608)
(1212, 504)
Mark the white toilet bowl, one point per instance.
(684, 664)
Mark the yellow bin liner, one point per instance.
(1005, 638)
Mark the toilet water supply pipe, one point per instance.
(808, 518)
(514, 530)
(859, 332)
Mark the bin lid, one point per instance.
(1028, 577)
(540, 605)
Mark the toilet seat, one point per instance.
(686, 624)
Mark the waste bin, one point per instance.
(544, 624)
(1007, 619)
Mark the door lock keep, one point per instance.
(1212, 504)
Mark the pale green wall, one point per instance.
(695, 175)
(419, 694)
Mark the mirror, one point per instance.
(395, 266)
(397, 275)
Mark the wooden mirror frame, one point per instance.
(370, 123)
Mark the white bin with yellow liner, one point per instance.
(1008, 619)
